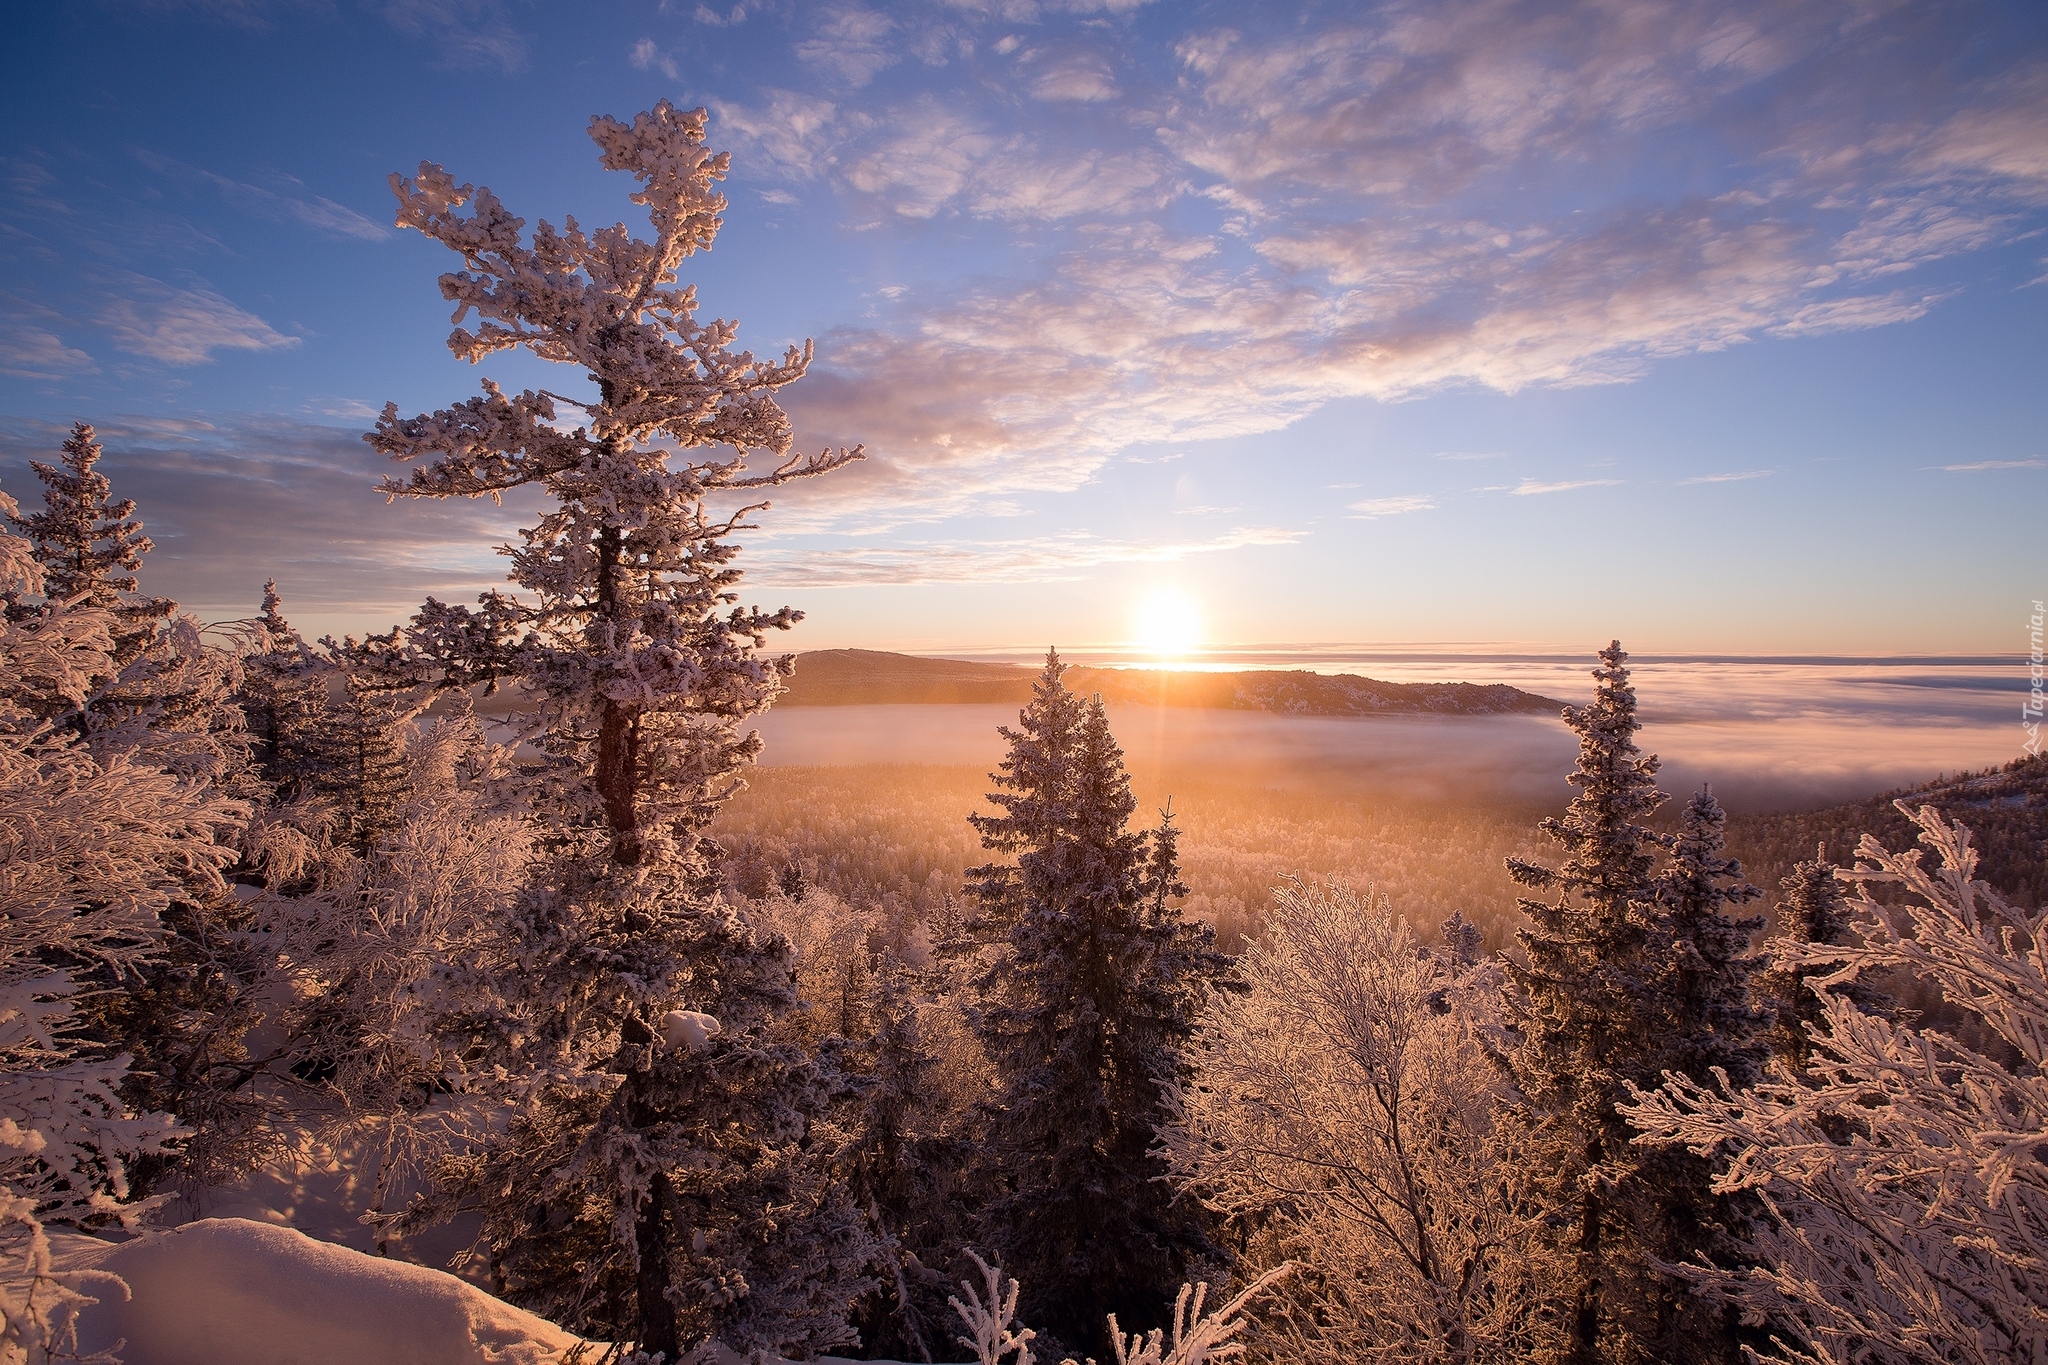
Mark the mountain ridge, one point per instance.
(868, 677)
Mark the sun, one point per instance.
(1167, 624)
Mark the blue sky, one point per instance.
(1711, 326)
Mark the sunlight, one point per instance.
(1167, 624)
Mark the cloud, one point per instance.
(231, 501)
(183, 326)
(1470, 455)
(1385, 202)
(289, 203)
(646, 56)
(30, 350)
(1043, 559)
(1990, 464)
(928, 158)
(462, 33)
(852, 43)
(1528, 487)
(1728, 478)
(1083, 79)
(791, 134)
(1373, 508)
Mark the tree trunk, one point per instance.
(618, 727)
(1585, 1339)
(651, 1236)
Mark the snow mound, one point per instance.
(226, 1291)
(690, 1029)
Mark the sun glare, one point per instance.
(1168, 624)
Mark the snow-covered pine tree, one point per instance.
(904, 1172)
(1815, 911)
(663, 1192)
(1095, 985)
(1581, 1001)
(297, 746)
(1705, 1021)
(89, 545)
(1034, 794)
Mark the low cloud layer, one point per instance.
(1765, 737)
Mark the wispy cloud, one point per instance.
(1727, 478)
(1041, 559)
(182, 326)
(850, 42)
(463, 33)
(289, 202)
(646, 55)
(1529, 487)
(1470, 455)
(29, 349)
(1989, 464)
(1372, 508)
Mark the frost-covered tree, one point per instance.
(1704, 1021)
(387, 968)
(1347, 1108)
(668, 1193)
(1815, 910)
(96, 845)
(1580, 1002)
(90, 545)
(1902, 1169)
(1096, 983)
(903, 1169)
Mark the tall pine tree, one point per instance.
(657, 1182)
(1580, 1001)
(1095, 983)
(1629, 972)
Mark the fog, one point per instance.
(1774, 736)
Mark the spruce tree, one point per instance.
(1706, 1020)
(298, 745)
(1581, 1001)
(672, 1193)
(1815, 911)
(1631, 972)
(1096, 983)
(91, 546)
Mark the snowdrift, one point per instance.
(226, 1291)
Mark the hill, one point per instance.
(866, 677)
(2006, 809)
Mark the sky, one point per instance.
(1714, 327)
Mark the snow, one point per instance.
(689, 1029)
(227, 1291)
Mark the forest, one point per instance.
(620, 1048)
